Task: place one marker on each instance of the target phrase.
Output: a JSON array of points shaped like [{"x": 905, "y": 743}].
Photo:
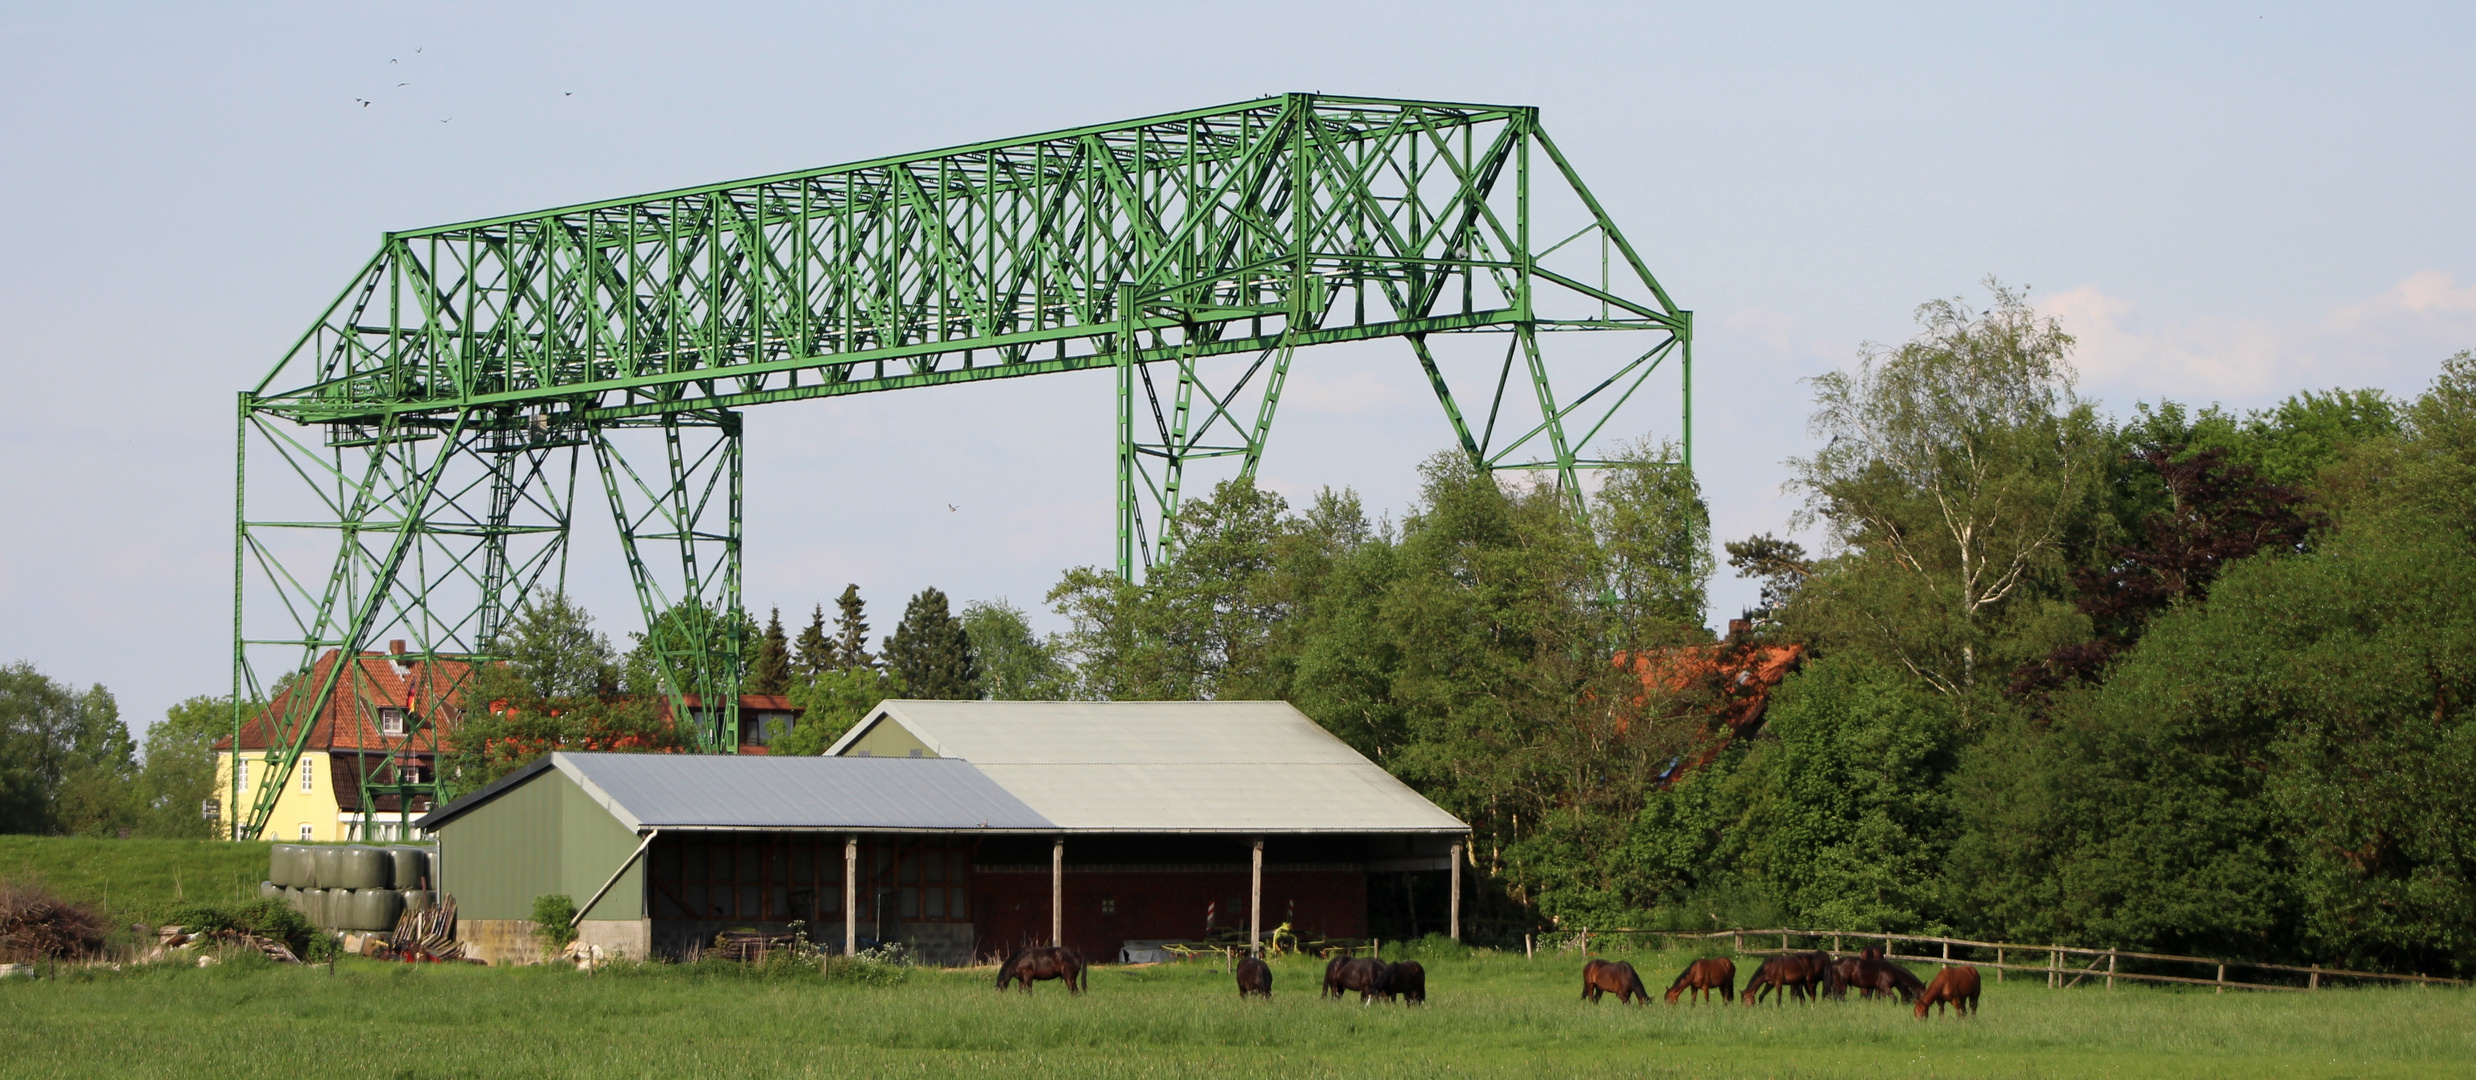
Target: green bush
[
  {"x": 272, "y": 919},
  {"x": 553, "y": 916}
]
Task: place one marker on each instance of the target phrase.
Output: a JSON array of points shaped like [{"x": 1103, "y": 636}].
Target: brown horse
[
  {"x": 1956, "y": 985},
  {"x": 1254, "y": 977},
  {"x": 1613, "y": 977},
  {"x": 1800, "y": 974},
  {"x": 1033, "y": 965},
  {"x": 1871, "y": 975},
  {"x": 1366, "y": 974},
  {"x": 1703, "y": 976},
  {"x": 1407, "y": 980}
]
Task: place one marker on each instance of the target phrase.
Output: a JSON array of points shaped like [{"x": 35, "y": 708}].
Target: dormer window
[{"x": 391, "y": 721}]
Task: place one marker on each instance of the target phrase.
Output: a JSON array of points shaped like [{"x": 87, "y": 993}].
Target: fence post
[
  {"x": 1947, "y": 952},
  {"x": 1998, "y": 965},
  {"x": 2222, "y": 980},
  {"x": 1737, "y": 942},
  {"x": 2316, "y": 983},
  {"x": 1527, "y": 954},
  {"x": 1783, "y": 943},
  {"x": 2110, "y": 969},
  {"x": 1835, "y": 943},
  {"x": 2054, "y": 966}
]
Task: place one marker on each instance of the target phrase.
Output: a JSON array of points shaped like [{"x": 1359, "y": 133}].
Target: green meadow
[{"x": 1490, "y": 1014}]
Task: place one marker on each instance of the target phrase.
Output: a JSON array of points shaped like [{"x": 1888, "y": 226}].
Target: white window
[
  {"x": 243, "y": 763},
  {"x": 308, "y": 832},
  {"x": 306, "y": 774},
  {"x": 391, "y": 721}
]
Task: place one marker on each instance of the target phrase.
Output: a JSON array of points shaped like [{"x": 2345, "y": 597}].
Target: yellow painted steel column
[
  {"x": 1457, "y": 890},
  {"x": 1057, "y": 893},
  {"x": 1255, "y": 901},
  {"x": 851, "y": 895}
]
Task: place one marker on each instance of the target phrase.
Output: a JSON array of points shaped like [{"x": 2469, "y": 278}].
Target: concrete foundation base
[{"x": 503, "y": 942}]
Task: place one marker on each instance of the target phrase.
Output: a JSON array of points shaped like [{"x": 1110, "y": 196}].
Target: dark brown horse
[
  {"x": 1254, "y": 977},
  {"x": 1703, "y": 976},
  {"x": 1798, "y": 974},
  {"x": 1613, "y": 977},
  {"x": 1407, "y": 980},
  {"x": 1956, "y": 985},
  {"x": 1033, "y": 965},
  {"x": 1872, "y": 975},
  {"x": 1365, "y": 974}
]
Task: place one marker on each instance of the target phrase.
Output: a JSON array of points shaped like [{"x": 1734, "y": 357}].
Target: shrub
[
  {"x": 272, "y": 919},
  {"x": 35, "y": 925},
  {"x": 553, "y": 914}
]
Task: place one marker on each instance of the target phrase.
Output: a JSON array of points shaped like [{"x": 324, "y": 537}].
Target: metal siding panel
[
  {"x": 506, "y": 852},
  {"x": 593, "y": 843},
  {"x": 1357, "y": 798}
]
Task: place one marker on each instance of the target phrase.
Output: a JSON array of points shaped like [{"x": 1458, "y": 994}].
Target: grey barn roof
[
  {"x": 1166, "y": 766},
  {"x": 718, "y": 791}
]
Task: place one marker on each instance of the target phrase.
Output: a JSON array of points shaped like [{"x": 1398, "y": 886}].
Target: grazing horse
[
  {"x": 1033, "y": 965},
  {"x": 1254, "y": 977},
  {"x": 1366, "y": 974},
  {"x": 1613, "y": 977},
  {"x": 1800, "y": 974},
  {"x": 1871, "y": 975},
  {"x": 1703, "y": 976},
  {"x": 1408, "y": 980},
  {"x": 1956, "y": 985}
]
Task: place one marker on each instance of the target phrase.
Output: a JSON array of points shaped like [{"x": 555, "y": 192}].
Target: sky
[{"x": 2223, "y": 203}]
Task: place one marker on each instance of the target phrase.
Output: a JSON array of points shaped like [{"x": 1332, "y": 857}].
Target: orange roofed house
[
  {"x": 1738, "y": 675},
  {"x": 365, "y": 731}
]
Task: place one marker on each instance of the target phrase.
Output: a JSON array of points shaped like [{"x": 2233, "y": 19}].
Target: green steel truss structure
[{"x": 439, "y": 414}]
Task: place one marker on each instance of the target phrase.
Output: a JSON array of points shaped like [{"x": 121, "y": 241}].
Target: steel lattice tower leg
[{"x": 693, "y": 627}]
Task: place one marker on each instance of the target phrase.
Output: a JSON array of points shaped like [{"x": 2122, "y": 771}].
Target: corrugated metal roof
[
  {"x": 1175, "y": 766},
  {"x": 719, "y": 791}
]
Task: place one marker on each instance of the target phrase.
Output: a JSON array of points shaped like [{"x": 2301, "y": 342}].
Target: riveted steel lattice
[{"x": 442, "y": 407}]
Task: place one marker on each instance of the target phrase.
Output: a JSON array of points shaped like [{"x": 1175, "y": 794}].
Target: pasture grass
[
  {"x": 1490, "y": 1014},
  {"x": 135, "y": 880}
]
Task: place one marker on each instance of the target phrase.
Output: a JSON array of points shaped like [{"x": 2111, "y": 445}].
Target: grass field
[
  {"x": 1491, "y": 1015},
  {"x": 131, "y": 880}
]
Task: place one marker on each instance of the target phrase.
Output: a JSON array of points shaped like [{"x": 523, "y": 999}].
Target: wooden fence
[{"x": 2063, "y": 965}]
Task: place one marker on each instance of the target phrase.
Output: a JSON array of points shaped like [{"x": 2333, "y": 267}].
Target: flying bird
[
  {"x": 403, "y": 84},
  {"x": 951, "y": 508},
  {"x": 449, "y": 118},
  {"x": 364, "y": 102},
  {"x": 570, "y": 93}
]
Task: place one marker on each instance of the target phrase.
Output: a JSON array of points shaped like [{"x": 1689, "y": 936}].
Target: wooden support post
[
  {"x": 1835, "y": 943},
  {"x": 2222, "y": 980},
  {"x": 2110, "y": 969},
  {"x": 2315, "y": 984},
  {"x": 1998, "y": 965},
  {"x": 1527, "y": 954},
  {"x": 1057, "y": 893},
  {"x": 1255, "y": 902},
  {"x": 1947, "y": 952},
  {"x": 851, "y": 895},
  {"x": 1456, "y": 925},
  {"x": 2054, "y": 966}
]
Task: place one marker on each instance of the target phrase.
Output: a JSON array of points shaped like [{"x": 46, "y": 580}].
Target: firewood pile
[{"x": 425, "y": 936}]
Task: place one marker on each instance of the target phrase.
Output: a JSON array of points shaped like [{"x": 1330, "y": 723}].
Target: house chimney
[
  {"x": 1738, "y": 628},
  {"x": 395, "y": 649}
]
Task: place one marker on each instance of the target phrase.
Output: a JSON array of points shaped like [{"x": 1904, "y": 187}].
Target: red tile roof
[
  {"x": 375, "y": 681},
  {"x": 1738, "y": 676}
]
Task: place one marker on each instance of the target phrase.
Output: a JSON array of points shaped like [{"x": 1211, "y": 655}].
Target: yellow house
[{"x": 367, "y": 732}]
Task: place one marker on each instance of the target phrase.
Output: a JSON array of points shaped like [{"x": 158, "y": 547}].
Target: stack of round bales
[{"x": 349, "y": 886}]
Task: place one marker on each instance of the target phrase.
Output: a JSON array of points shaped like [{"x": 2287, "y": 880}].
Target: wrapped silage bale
[
  {"x": 415, "y": 900},
  {"x": 360, "y": 866},
  {"x": 329, "y": 861},
  {"x": 412, "y": 866},
  {"x": 373, "y": 909},
  {"x": 292, "y": 896},
  {"x": 314, "y": 905},
  {"x": 268, "y": 890}
]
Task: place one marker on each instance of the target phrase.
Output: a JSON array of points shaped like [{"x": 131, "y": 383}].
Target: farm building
[
  {"x": 365, "y": 730},
  {"x": 963, "y": 828}
]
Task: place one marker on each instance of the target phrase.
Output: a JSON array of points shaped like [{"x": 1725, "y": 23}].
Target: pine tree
[
  {"x": 851, "y": 631},
  {"x": 931, "y": 652},
  {"x": 771, "y": 674},
  {"x": 813, "y": 653}
]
